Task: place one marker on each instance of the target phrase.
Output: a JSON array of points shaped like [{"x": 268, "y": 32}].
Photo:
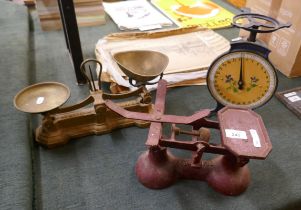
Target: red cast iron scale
[{"x": 227, "y": 173}]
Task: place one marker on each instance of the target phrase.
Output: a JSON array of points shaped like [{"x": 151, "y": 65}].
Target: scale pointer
[{"x": 240, "y": 81}]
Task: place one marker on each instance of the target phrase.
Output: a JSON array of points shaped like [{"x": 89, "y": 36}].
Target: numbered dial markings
[{"x": 242, "y": 79}]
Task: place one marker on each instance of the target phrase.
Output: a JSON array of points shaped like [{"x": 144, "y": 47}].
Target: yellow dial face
[{"x": 242, "y": 79}]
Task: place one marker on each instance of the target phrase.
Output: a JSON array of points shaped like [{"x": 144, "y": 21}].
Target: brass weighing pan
[
  {"x": 141, "y": 65},
  {"x": 41, "y": 97}
]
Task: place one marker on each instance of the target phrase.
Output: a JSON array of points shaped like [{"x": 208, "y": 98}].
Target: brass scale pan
[
  {"x": 41, "y": 97},
  {"x": 140, "y": 65}
]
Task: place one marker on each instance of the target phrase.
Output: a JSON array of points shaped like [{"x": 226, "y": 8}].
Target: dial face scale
[{"x": 242, "y": 79}]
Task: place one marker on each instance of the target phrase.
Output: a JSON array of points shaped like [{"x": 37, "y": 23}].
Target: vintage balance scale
[
  {"x": 60, "y": 124},
  {"x": 243, "y": 134}
]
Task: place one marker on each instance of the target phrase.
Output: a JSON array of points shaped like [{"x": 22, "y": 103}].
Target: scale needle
[{"x": 240, "y": 81}]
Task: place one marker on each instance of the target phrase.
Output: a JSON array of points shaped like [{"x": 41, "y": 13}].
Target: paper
[
  {"x": 190, "y": 54},
  {"x": 255, "y": 137},
  {"x": 40, "y": 100},
  {"x": 136, "y": 14},
  {"x": 235, "y": 134},
  {"x": 294, "y": 98},
  {"x": 204, "y": 13},
  {"x": 290, "y": 94}
]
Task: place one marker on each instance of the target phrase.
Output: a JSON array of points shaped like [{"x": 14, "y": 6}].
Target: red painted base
[{"x": 157, "y": 168}]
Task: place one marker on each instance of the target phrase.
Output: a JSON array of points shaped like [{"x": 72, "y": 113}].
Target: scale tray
[
  {"x": 41, "y": 97},
  {"x": 141, "y": 65}
]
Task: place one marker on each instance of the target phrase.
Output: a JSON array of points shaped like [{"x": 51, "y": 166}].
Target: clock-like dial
[{"x": 242, "y": 79}]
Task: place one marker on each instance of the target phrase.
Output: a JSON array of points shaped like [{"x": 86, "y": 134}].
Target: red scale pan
[{"x": 244, "y": 134}]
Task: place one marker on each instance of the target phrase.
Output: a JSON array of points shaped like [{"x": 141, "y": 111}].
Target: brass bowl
[
  {"x": 41, "y": 97},
  {"x": 141, "y": 65}
]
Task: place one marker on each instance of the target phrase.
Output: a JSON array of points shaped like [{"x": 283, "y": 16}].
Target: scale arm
[
  {"x": 157, "y": 117},
  {"x": 79, "y": 105},
  {"x": 122, "y": 96}
]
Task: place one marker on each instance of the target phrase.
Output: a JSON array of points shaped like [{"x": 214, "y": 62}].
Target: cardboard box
[
  {"x": 88, "y": 13},
  {"x": 285, "y": 44}
]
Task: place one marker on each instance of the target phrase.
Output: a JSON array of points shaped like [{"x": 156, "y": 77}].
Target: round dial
[{"x": 242, "y": 79}]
